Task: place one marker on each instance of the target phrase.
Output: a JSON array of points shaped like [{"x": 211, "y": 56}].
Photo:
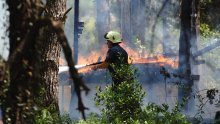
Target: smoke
[
  {"x": 101, "y": 16},
  {"x": 68, "y": 99},
  {"x": 140, "y": 31},
  {"x": 161, "y": 23}
]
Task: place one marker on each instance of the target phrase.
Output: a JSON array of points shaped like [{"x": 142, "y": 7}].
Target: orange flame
[
  {"x": 93, "y": 57},
  {"x": 85, "y": 69},
  {"x": 142, "y": 57},
  {"x": 135, "y": 57},
  {"x": 160, "y": 60}
]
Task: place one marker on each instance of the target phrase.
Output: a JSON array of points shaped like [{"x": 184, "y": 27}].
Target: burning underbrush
[{"x": 87, "y": 62}]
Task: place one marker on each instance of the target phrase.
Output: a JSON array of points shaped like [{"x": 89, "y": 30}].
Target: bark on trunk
[
  {"x": 25, "y": 60},
  {"x": 23, "y": 72},
  {"x": 184, "y": 52},
  {"x": 51, "y": 53},
  {"x": 193, "y": 48},
  {"x": 185, "y": 37}
]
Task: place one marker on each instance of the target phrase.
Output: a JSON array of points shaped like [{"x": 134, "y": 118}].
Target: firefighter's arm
[{"x": 100, "y": 66}]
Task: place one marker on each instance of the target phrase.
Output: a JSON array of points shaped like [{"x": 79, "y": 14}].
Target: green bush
[
  {"x": 207, "y": 33},
  {"x": 121, "y": 102},
  {"x": 48, "y": 116},
  {"x": 45, "y": 117},
  {"x": 155, "y": 114}
]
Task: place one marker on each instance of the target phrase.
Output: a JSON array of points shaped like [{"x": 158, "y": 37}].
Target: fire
[
  {"x": 85, "y": 69},
  {"x": 141, "y": 57},
  {"x": 93, "y": 56},
  {"x": 161, "y": 60},
  {"x": 135, "y": 57}
]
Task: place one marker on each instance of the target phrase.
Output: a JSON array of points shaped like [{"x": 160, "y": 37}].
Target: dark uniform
[{"x": 116, "y": 56}]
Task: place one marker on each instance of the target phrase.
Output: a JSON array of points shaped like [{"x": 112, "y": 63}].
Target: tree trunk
[
  {"x": 17, "y": 27},
  {"x": 185, "y": 37},
  {"x": 51, "y": 53},
  {"x": 19, "y": 105},
  {"x": 194, "y": 47},
  {"x": 184, "y": 51}
]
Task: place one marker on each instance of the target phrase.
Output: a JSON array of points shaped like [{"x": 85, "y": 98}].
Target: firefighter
[
  {"x": 116, "y": 56},
  {"x": 117, "y": 63}
]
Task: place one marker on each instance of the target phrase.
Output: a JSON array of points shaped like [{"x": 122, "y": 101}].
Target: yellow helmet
[{"x": 113, "y": 36}]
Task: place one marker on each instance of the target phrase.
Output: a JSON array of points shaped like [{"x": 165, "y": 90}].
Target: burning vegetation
[{"x": 86, "y": 63}]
